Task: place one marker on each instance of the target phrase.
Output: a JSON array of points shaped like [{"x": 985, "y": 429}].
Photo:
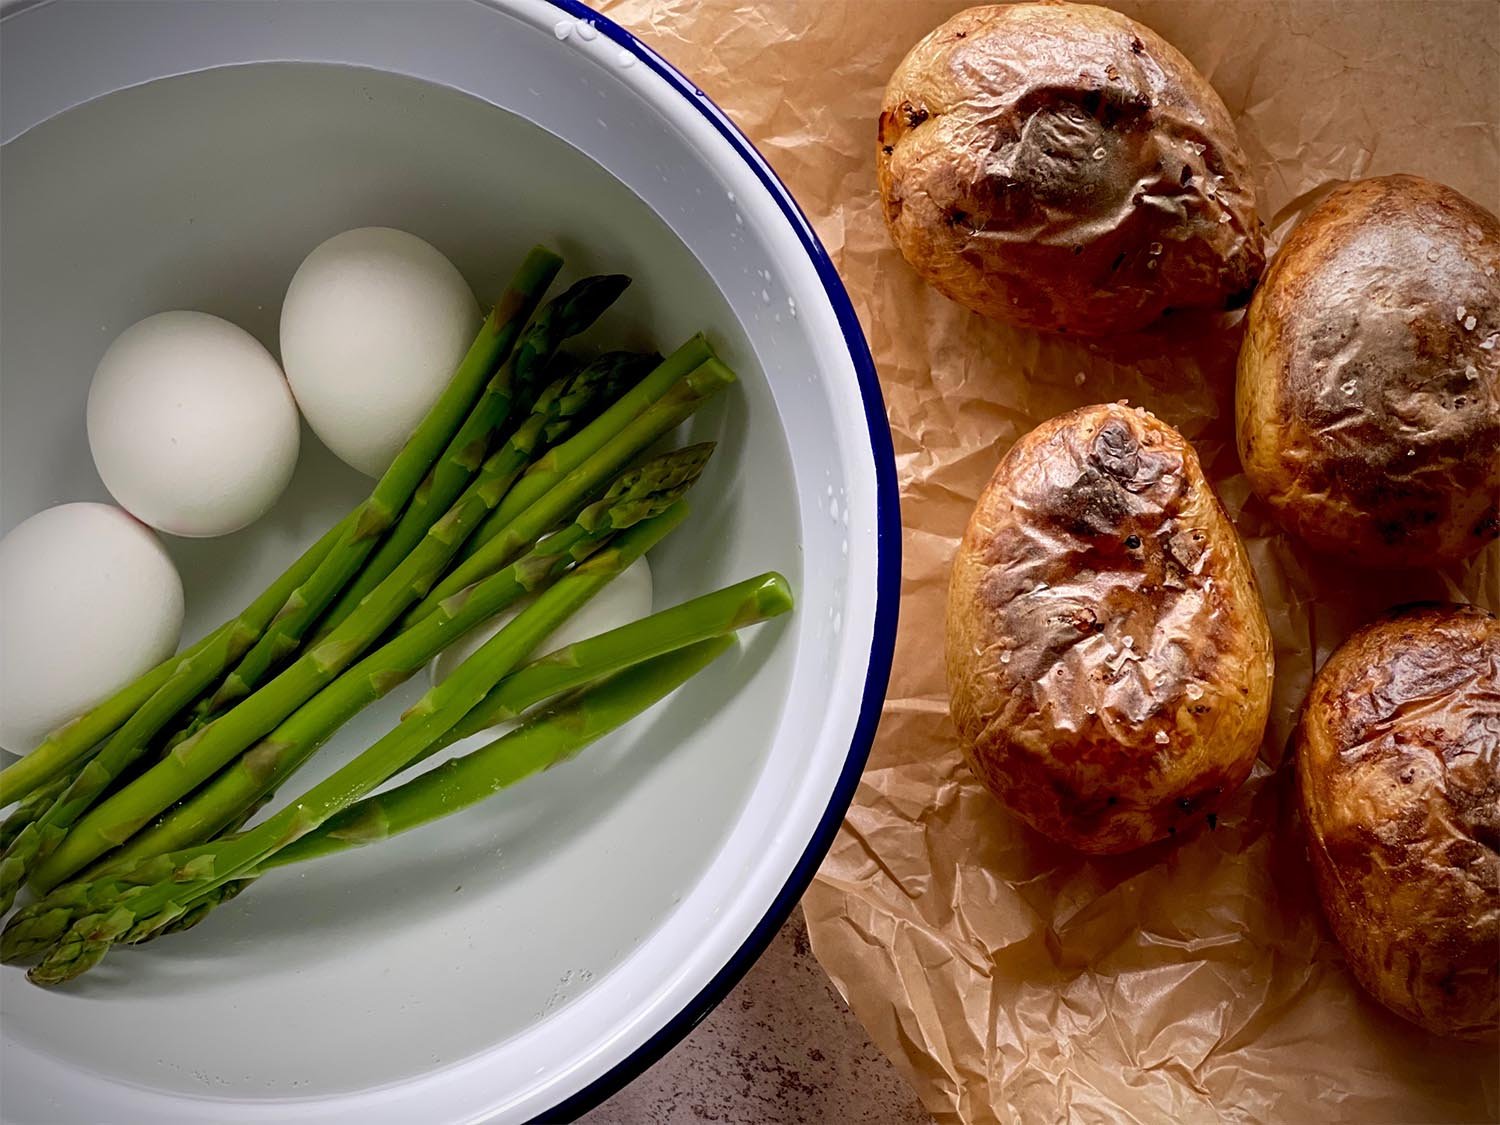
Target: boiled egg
[
  {"x": 374, "y": 323},
  {"x": 191, "y": 424},
  {"x": 89, "y": 600}
]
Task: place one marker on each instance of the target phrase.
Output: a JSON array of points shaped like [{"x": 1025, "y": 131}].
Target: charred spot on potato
[
  {"x": 1116, "y": 450},
  {"x": 1213, "y": 821},
  {"x": 887, "y": 149},
  {"x": 914, "y": 115}
]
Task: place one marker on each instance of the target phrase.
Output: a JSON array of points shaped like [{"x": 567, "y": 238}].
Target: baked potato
[
  {"x": 1109, "y": 662},
  {"x": 1368, "y": 394},
  {"x": 1398, "y": 777},
  {"x": 1063, "y": 167}
]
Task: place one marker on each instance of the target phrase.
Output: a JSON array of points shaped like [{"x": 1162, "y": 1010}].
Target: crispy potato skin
[
  {"x": 1109, "y": 661},
  {"x": 1398, "y": 775},
  {"x": 1368, "y": 406},
  {"x": 1063, "y": 167}
]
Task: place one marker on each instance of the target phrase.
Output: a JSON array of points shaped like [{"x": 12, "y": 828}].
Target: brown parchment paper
[{"x": 1007, "y": 979}]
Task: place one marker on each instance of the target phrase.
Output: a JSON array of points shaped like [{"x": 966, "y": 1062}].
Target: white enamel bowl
[{"x": 527, "y": 957}]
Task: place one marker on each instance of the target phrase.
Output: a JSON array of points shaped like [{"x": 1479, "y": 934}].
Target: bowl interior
[{"x": 203, "y": 191}]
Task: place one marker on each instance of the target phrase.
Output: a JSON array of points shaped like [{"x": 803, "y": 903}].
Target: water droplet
[
  {"x": 791, "y": 307},
  {"x": 844, "y": 548},
  {"x": 587, "y": 31},
  {"x": 765, "y": 295},
  {"x": 1079, "y": 379},
  {"x": 1005, "y": 658},
  {"x": 838, "y": 622},
  {"x": 833, "y": 508},
  {"x": 739, "y": 219},
  {"x": 1161, "y": 738},
  {"x": 729, "y": 195},
  {"x": 1469, "y": 323},
  {"x": 1128, "y": 642},
  {"x": 1432, "y": 255},
  {"x": 1194, "y": 691},
  {"x": 1471, "y": 373},
  {"x": 1488, "y": 345},
  {"x": 562, "y": 30},
  {"x": 1348, "y": 388},
  {"x": 1098, "y": 154},
  {"x": 1411, "y": 452},
  {"x": 1091, "y": 710},
  {"x": 1458, "y": 316},
  {"x": 830, "y": 490},
  {"x": 624, "y": 60},
  {"x": 1155, "y": 248}
]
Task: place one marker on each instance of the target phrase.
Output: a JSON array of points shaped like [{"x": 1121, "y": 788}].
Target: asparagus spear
[
  {"x": 31, "y": 808},
  {"x": 210, "y": 810},
  {"x": 65, "y": 748},
  {"x": 686, "y": 396},
  {"x": 475, "y": 401},
  {"x": 139, "y": 913},
  {"x": 566, "y": 316},
  {"x": 545, "y": 740},
  {"x": 562, "y": 459},
  {"x": 115, "y": 820},
  {"x": 542, "y": 741},
  {"x": 575, "y": 666},
  {"x": 186, "y": 676},
  {"x": 582, "y": 662}
]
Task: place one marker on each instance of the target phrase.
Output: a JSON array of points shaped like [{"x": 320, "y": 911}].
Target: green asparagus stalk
[
  {"x": 583, "y": 662},
  {"x": 114, "y": 821},
  {"x": 657, "y": 420},
  {"x": 565, "y": 316},
  {"x": 542, "y": 741},
  {"x": 564, "y": 458},
  {"x": 213, "y": 808},
  {"x": 468, "y": 398},
  {"x": 135, "y": 916},
  {"x": 575, "y": 666},
  {"x": 545, "y": 740},
  {"x": 189, "y": 674},
  {"x": 29, "y": 810},
  {"x": 67, "y": 747}
]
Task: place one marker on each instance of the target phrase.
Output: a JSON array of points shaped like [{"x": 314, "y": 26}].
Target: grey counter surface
[{"x": 782, "y": 1049}]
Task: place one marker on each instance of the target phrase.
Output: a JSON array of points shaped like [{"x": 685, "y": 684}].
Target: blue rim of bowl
[{"x": 887, "y": 593}]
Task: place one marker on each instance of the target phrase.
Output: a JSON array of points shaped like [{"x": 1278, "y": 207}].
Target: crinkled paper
[{"x": 1009, "y": 980}]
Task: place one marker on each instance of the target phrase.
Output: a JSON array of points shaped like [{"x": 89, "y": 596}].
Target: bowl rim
[
  {"x": 887, "y": 539},
  {"x": 887, "y": 588}
]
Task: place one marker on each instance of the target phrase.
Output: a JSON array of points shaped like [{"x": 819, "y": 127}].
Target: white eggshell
[
  {"x": 374, "y": 323},
  {"x": 191, "y": 424},
  {"x": 89, "y": 600},
  {"x": 626, "y": 599}
]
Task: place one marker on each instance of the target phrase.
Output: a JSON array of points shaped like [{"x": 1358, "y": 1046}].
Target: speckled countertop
[{"x": 782, "y": 1049}]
